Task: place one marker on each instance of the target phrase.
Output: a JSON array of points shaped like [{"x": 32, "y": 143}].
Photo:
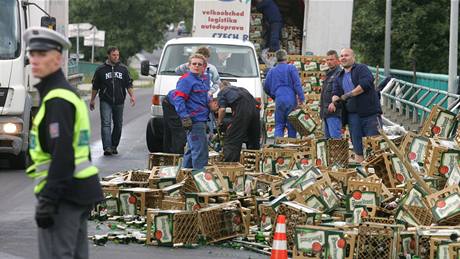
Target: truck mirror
[
  {"x": 145, "y": 68},
  {"x": 48, "y": 22}
]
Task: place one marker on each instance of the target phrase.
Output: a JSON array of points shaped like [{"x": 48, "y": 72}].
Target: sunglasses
[{"x": 197, "y": 64}]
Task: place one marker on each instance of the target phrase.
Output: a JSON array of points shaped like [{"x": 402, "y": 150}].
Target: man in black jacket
[
  {"x": 245, "y": 123},
  {"x": 331, "y": 119},
  {"x": 111, "y": 80},
  {"x": 66, "y": 183}
]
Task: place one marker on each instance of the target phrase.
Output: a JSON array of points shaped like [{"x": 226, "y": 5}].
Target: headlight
[{"x": 10, "y": 128}]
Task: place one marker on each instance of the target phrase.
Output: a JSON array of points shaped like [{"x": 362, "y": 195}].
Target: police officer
[
  {"x": 283, "y": 85},
  {"x": 67, "y": 185},
  {"x": 245, "y": 122}
]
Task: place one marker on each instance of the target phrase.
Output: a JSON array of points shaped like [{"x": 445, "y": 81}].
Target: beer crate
[
  {"x": 363, "y": 184},
  {"x": 296, "y": 214},
  {"x": 164, "y": 159},
  {"x": 377, "y": 240},
  {"x": 269, "y": 115},
  {"x": 341, "y": 176},
  {"x": 420, "y": 215},
  {"x": 172, "y": 227},
  {"x": 250, "y": 202},
  {"x": 172, "y": 203},
  {"x": 163, "y": 176},
  {"x": 135, "y": 201},
  {"x": 323, "y": 242},
  {"x": 338, "y": 153},
  {"x": 424, "y": 234},
  {"x": 270, "y": 130},
  {"x": 195, "y": 201},
  {"x": 137, "y": 178},
  {"x": 441, "y": 157},
  {"x": 378, "y": 164},
  {"x": 250, "y": 159},
  {"x": 230, "y": 169},
  {"x": 396, "y": 170},
  {"x": 275, "y": 160},
  {"x": 417, "y": 149},
  {"x": 305, "y": 122},
  {"x": 440, "y": 123},
  {"x": 110, "y": 191},
  {"x": 268, "y": 184},
  {"x": 222, "y": 222},
  {"x": 439, "y": 247},
  {"x": 444, "y": 205},
  {"x": 208, "y": 180},
  {"x": 374, "y": 144},
  {"x": 267, "y": 216},
  {"x": 454, "y": 250}
]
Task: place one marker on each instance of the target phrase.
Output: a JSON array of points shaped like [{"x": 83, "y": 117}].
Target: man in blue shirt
[
  {"x": 355, "y": 87},
  {"x": 274, "y": 20},
  {"x": 191, "y": 102},
  {"x": 332, "y": 120},
  {"x": 283, "y": 85}
]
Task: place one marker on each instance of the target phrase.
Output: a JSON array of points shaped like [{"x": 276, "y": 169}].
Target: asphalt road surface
[{"x": 18, "y": 232}]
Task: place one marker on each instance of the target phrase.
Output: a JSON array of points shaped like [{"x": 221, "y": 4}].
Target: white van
[{"x": 235, "y": 60}]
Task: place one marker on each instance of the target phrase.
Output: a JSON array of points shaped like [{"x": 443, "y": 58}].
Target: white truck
[
  {"x": 324, "y": 25},
  {"x": 18, "y": 98}
]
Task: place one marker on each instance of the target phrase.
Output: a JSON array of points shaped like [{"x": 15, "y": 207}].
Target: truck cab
[
  {"x": 18, "y": 98},
  {"x": 235, "y": 60}
]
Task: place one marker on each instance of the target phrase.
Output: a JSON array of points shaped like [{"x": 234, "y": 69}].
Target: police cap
[{"x": 44, "y": 39}]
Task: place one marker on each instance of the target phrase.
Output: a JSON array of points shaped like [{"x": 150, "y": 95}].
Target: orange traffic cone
[{"x": 279, "y": 248}]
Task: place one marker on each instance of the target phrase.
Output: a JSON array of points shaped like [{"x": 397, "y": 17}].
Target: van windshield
[
  {"x": 9, "y": 29},
  {"x": 230, "y": 60}
]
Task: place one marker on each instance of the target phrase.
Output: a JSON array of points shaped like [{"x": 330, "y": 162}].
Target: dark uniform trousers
[
  {"x": 68, "y": 234},
  {"x": 245, "y": 124},
  {"x": 174, "y": 136}
]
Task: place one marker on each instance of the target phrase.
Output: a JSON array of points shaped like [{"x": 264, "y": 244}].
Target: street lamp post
[{"x": 453, "y": 48}]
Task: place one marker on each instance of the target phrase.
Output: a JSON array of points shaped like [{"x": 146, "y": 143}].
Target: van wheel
[
  {"x": 154, "y": 142},
  {"x": 20, "y": 161}
]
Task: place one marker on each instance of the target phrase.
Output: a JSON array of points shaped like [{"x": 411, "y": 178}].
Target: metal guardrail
[{"x": 414, "y": 101}]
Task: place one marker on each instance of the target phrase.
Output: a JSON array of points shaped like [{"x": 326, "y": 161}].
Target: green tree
[
  {"x": 420, "y": 33},
  {"x": 131, "y": 25}
]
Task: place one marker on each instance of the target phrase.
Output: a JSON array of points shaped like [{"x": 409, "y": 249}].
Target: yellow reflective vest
[{"x": 42, "y": 160}]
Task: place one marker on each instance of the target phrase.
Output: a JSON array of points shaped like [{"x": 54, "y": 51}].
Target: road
[{"x": 18, "y": 234}]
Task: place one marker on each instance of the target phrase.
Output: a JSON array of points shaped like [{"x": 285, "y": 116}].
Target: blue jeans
[
  {"x": 109, "y": 112},
  {"x": 196, "y": 156},
  {"x": 332, "y": 127},
  {"x": 282, "y": 111},
  {"x": 362, "y": 127}
]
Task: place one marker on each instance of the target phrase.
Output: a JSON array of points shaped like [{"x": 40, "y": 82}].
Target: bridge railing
[{"x": 414, "y": 102}]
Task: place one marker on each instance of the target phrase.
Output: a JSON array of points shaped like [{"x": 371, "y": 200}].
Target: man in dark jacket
[
  {"x": 331, "y": 119},
  {"x": 66, "y": 183},
  {"x": 274, "y": 21},
  {"x": 111, "y": 80},
  {"x": 174, "y": 135},
  {"x": 355, "y": 87},
  {"x": 245, "y": 122}
]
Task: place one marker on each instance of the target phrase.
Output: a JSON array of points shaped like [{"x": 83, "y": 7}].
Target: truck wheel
[
  {"x": 154, "y": 142},
  {"x": 20, "y": 161}
]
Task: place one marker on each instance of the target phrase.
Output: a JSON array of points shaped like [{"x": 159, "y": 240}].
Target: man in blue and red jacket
[
  {"x": 191, "y": 102},
  {"x": 355, "y": 87}
]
